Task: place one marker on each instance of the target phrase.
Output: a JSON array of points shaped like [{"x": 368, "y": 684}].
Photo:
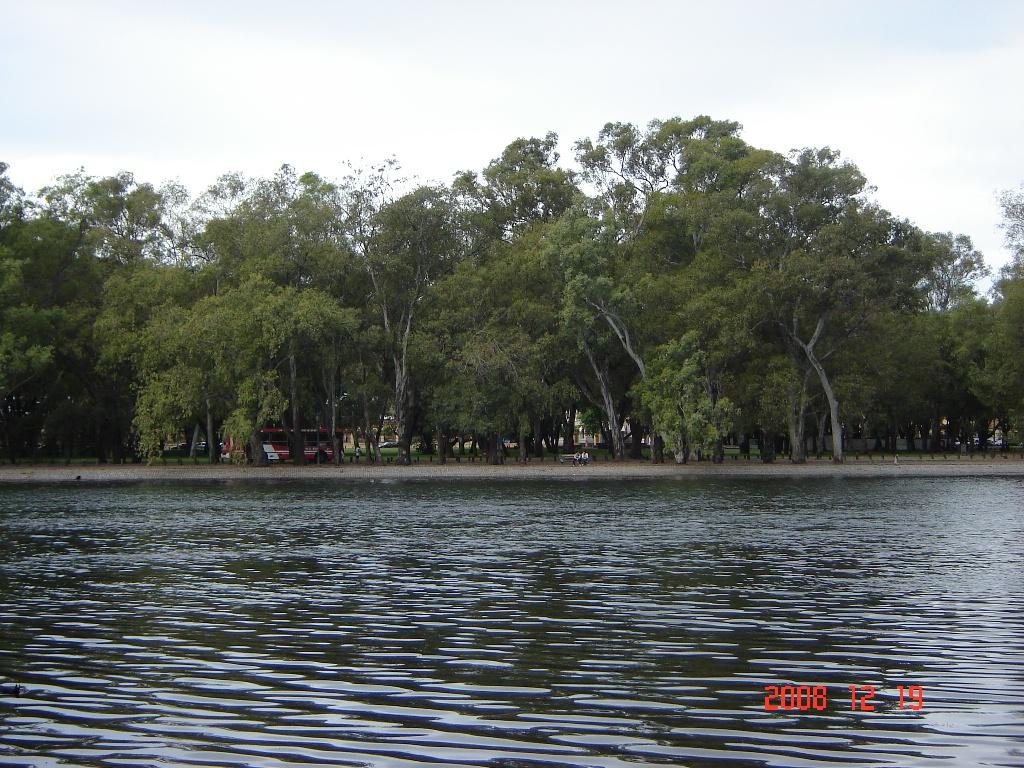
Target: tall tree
[
  {"x": 404, "y": 245},
  {"x": 829, "y": 261},
  {"x": 288, "y": 229},
  {"x": 23, "y": 354}
]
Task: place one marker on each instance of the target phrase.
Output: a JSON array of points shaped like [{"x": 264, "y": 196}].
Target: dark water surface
[{"x": 511, "y": 624}]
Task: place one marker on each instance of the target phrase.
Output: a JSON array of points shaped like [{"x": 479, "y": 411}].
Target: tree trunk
[
  {"x": 211, "y": 439},
  {"x": 833, "y": 411},
  {"x": 718, "y": 452},
  {"x": 259, "y": 458},
  {"x": 337, "y": 442},
  {"x": 797, "y": 420},
  {"x": 337, "y": 446},
  {"x": 495, "y": 449},
  {"x": 538, "y": 444},
  {"x": 607, "y": 404},
  {"x": 796, "y": 416},
  {"x": 195, "y": 441},
  {"x": 116, "y": 446},
  {"x": 636, "y": 448},
  {"x": 826, "y": 385},
  {"x": 403, "y": 411},
  {"x": 569, "y": 438},
  {"x": 371, "y": 445},
  {"x": 298, "y": 441},
  {"x": 681, "y": 450},
  {"x": 657, "y": 449}
]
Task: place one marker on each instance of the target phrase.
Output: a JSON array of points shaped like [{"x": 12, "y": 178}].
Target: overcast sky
[{"x": 924, "y": 96}]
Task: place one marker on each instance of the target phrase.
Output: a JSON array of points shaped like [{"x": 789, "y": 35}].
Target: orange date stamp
[{"x": 815, "y": 697}]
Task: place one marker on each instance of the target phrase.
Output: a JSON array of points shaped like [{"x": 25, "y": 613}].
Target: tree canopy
[{"x": 677, "y": 289}]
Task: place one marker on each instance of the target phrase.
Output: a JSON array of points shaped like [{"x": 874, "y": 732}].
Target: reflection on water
[{"x": 561, "y": 624}]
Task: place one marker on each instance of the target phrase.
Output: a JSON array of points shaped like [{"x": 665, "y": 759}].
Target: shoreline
[{"x": 22, "y": 474}]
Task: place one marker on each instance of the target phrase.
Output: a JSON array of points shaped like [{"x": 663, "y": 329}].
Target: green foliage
[
  {"x": 22, "y": 356},
  {"x": 680, "y": 395},
  {"x": 955, "y": 268},
  {"x": 998, "y": 380},
  {"x": 701, "y": 289},
  {"x": 1012, "y": 202}
]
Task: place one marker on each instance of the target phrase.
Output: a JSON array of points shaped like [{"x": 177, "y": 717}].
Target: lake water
[{"x": 513, "y": 624}]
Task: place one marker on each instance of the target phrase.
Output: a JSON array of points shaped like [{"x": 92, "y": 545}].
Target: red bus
[{"x": 274, "y": 441}]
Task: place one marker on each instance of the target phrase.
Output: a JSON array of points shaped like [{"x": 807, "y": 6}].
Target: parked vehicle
[{"x": 274, "y": 443}]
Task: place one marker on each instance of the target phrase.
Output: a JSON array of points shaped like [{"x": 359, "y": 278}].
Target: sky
[{"x": 924, "y": 97}]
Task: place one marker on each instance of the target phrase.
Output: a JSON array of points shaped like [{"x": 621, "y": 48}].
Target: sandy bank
[{"x": 548, "y": 470}]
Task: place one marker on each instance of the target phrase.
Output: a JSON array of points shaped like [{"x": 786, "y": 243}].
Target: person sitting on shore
[
  {"x": 586, "y": 458},
  {"x": 577, "y": 458}
]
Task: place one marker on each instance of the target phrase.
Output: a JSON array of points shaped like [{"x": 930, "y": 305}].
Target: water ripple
[{"x": 539, "y": 624}]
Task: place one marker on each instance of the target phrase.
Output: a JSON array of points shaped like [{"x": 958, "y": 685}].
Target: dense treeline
[{"x": 682, "y": 289}]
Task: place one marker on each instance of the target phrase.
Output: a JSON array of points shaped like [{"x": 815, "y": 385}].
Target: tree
[
  {"x": 492, "y": 337},
  {"x": 684, "y": 395},
  {"x": 122, "y": 218},
  {"x": 955, "y": 268},
  {"x": 583, "y": 248},
  {"x": 226, "y": 348},
  {"x": 288, "y": 229},
  {"x": 829, "y": 262},
  {"x": 404, "y": 246},
  {"x": 671, "y": 195},
  {"x": 521, "y": 187},
  {"x": 1002, "y": 375},
  {"x": 58, "y": 280},
  {"x": 704, "y": 286},
  {"x": 22, "y": 357},
  {"x": 497, "y": 314},
  {"x": 1012, "y": 202}
]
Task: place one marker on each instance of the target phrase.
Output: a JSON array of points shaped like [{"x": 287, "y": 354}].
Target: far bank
[{"x": 977, "y": 467}]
